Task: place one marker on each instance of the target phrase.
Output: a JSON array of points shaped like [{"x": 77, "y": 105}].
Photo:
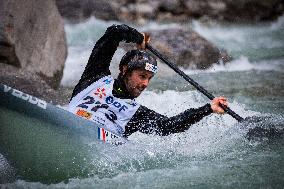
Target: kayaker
[{"x": 111, "y": 102}]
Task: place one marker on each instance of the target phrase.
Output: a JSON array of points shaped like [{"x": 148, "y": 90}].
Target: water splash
[
  {"x": 214, "y": 152},
  {"x": 201, "y": 150},
  {"x": 257, "y": 42},
  {"x": 241, "y": 64},
  {"x": 7, "y": 172}
]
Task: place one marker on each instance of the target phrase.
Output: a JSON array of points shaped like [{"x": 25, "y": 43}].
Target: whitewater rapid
[{"x": 215, "y": 152}]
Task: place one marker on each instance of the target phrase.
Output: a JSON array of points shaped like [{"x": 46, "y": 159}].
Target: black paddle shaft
[{"x": 192, "y": 82}]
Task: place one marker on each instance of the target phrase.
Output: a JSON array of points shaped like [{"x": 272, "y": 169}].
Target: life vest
[{"x": 97, "y": 103}]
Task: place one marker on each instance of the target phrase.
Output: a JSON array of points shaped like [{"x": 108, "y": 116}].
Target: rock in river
[
  {"x": 187, "y": 48},
  {"x": 32, "y": 38}
]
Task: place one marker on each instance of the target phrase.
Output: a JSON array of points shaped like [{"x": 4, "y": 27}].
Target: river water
[{"x": 214, "y": 153}]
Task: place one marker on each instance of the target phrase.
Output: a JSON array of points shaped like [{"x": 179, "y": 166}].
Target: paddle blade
[{"x": 266, "y": 127}]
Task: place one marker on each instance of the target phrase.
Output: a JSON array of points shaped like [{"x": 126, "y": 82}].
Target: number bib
[{"x": 97, "y": 103}]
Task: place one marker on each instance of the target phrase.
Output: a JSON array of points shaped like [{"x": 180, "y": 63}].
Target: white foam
[
  {"x": 243, "y": 38},
  {"x": 239, "y": 65},
  {"x": 158, "y": 26},
  {"x": 86, "y": 33},
  {"x": 171, "y": 102},
  {"x": 279, "y": 24},
  {"x": 74, "y": 66}
]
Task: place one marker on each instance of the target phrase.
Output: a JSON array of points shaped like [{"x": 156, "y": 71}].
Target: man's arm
[
  {"x": 148, "y": 121},
  {"x": 102, "y": 53}
]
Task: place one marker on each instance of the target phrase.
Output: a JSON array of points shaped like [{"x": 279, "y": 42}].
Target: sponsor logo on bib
[
  {"x": 84, "y": 113},
  {"x": 107, "y": 81},
  {"x": 100, "y": 92}
]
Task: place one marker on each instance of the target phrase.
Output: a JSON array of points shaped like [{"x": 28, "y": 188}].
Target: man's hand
[
  {"x": 145, "y": 41},
  {"x": 215, "y": 104}
]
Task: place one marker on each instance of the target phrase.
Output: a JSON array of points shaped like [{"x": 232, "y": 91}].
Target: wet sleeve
[
  {"x": 148, "y": 121},
  {"x": 103, "y": 51}
]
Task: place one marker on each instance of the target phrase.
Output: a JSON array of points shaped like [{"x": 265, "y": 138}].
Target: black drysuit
[{"x": 144, "y": 120}]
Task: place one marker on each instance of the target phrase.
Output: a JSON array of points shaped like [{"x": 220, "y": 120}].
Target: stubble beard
[{"x": 133, "y": 90}]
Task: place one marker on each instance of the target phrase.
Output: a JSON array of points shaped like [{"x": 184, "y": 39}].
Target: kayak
[{"x": 46, "y": 143}]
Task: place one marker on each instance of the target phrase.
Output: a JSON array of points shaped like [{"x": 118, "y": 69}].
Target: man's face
[{"x": 137, "y": 81}]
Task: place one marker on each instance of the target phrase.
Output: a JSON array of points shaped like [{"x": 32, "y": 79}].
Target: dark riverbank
[{"x": 141, "y": 11}]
